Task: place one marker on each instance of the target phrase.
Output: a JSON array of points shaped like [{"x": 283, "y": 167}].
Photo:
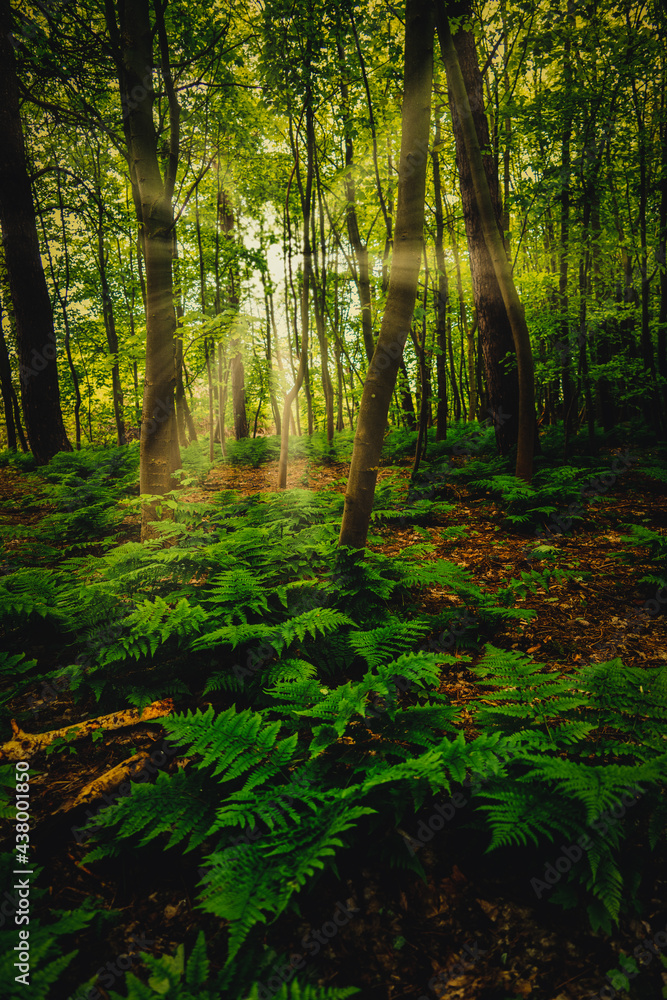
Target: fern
[
  {"x": 28, "y": 592},
  {"x": 174, "y": 804},
  {"x": 236, "y": 592},
  {"x": 49, "y": 956},
  {"x": 376, "y": 645},
  {"x": 244, "y": 890},
  {"x": 526, "y": 697},
  {"x": 176, "y": 978},
  {"x": 553, "y": 794},
  {"x": 150, "y": 625},
  {"x": 657, "y": 546}
]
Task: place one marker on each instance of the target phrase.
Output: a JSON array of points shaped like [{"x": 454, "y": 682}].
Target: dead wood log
[
  {"x": 95, "y": 789},
  {"x": 25, "y": 745}
]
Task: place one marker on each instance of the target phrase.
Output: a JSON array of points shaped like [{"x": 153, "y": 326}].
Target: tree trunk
[
  {"x": 110, "y": 328},
  {"x": 405, "y": 265},
  {"x": 33, "y": 317},
  {"x": 662, "y": 258},
  {"x": 407, "y": 404},
  {"x": 223, "y": 377},
  {"x": 63, "y": 300},
  {"x": 569, "y": 394},
  {"x": 211, "y": 418},
  {"x": 442, "y": 299},
  {"x": 270, "y": 328},
  {"x": 496, "y": 250},
  {"x": 6, "y": 386},
  {"x": 495, "y": 330},
  {"x": 306, "y": 205},
  {"x": 236, "y": 368},
  {"x": 179, "y": 389},
  {"x": 424, "y": 382},
  {"x": 320, "y": 303},
  {"x": 132, "y": 40},
  {"x": 361, "y": 252},
  {"x": 452, "y": 370},
  {"x": 472, "y": 372}
]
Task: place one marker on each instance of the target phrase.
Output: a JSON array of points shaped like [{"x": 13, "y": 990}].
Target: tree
[
  {"x": 404, "y": 275},
  {"x": 495, "y": 332},
  {"x": 33, "y": 315},
  {"x": 495, "y": 246},
  {"x": 132, "y": 40}
]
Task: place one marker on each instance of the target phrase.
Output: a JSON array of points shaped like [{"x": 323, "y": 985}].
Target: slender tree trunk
[
  {"x": 110, "y": 327},
  {"x": 320, "y": 304},
  {"x": 63, "y": 302},
  {"x": 442, "y": 297},
  {"x": 424, "y": 381},
  {"x": 133, "y": 44},
  {"x": 237, "y": 371},
  {"x": 6, "y": 386},
  {"x": 33, "y": 317},
  {"x": 569, "y": 392},
  {"x": 361, "y": 252},
  {"x": 306, "y": 192},
  {"x": 270, "y": 327},
  {"x": 507, "y": 128},
  {"x": 495, "y": 329},
  {"x": 496, "y": 250},
  {"x": 452, "y": 370},
  {"x": 405, "y": 265},
  {"x": 211, "y": 412},
  {"x": 340, "y": 422},
  {"x": 407, "y": 404},
  {"x": 662, "y": 258},
  {"x": 472, "y": 373}
]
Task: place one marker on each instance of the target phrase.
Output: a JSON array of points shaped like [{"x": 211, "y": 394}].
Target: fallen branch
[
  {"x": 129, "y": 768},
  {"x": 26, "y": 745}
]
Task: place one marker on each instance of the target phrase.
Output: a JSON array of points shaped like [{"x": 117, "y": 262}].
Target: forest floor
[{"x": 471, "y": 923}]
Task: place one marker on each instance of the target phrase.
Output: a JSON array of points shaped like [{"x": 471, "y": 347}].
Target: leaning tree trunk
[
  {"x": 406, "y": 260},
  {"x": 495, "y": 331},
  {"x": 33, "y": 316},
  {"x": 495, "y": 248}
]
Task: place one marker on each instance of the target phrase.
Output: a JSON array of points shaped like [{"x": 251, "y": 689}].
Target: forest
[{"x": 333, "y": 375}]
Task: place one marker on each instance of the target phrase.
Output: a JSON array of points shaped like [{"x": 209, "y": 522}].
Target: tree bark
[
  {"x": 495, "y": 246},
  {"x": 404, "y": 275},
  {"x": 271, "y": 329},
  {"x": 569, "y": 394},
  {"x": 110, "y": 328},
  {"x": 442, "y": 299},
  {"x": 236, "y": 368},
  {"x": 6, "y": 386},
  {"x": 495, "y": 331},
  {"x": 360, "y": 250},
  {"x": 306, "y": 204},
  {"x": 132, "y": 40},
  {"x": 33, "y": 316}
]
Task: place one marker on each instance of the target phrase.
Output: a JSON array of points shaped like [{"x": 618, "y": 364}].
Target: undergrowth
[{"x": 320, "y": 731}]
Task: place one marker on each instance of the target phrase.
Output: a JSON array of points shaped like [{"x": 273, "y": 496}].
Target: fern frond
[
  {"x": 249, "y": 882},
  {"x": 376, "y": 645},
  {"x": 233, "y": 742},
  {"x": 174, "y": 804}
]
